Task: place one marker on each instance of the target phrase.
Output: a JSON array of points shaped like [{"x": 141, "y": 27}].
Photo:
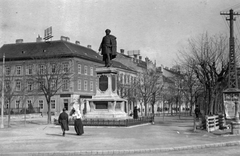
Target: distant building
[
  {"x": 173, "y": 78},
  {"x": 133, "y": 60}
]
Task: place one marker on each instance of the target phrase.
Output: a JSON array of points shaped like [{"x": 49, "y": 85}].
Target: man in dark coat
[
  {"x": 135, "y": 113},
  {"x": 108, "y": 48},
  {"x": 197, "y": 111},
  {"x": 63, "y": 121}
]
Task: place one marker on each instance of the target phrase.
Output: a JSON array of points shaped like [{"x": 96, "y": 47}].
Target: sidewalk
[{"x": 37, "y": 138}]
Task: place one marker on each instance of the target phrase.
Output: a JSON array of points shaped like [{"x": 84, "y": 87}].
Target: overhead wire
[
  {"x": 225, "y": 21},
  {"x": 234, "y": 7}
]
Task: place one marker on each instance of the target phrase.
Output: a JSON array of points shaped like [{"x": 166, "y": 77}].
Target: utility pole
[
  {"x": 232, "y": 91},
  {"x": 3, "y": 66},
  {"x": 232, "y": 79}
]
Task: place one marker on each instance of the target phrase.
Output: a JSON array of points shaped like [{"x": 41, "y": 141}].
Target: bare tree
[
  {"x": 207, "y": 58},
  {"x": 168, "y": 94},
  {"x": 191, "y": 84},
  {"x": 52, "y": 75},
  {"x": 14, "y": 87},
  {"x": 148, "y": 86}
]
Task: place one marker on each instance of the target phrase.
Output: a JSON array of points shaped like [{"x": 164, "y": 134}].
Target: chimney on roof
[
  {"x": 140, "y": 57},
  {"x": 39, "y": 39},
  {"x": 146, "y": 59},
  {"x": 19, "y": 41},
  {"x": 64, "y": 38},
  {"x": 77, "y": 42},
  {"x": 89, "y": 46},
  {"x": 122, "y": 51}
]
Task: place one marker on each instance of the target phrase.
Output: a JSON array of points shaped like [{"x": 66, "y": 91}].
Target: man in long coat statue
[{"x": 108, "y": 48}]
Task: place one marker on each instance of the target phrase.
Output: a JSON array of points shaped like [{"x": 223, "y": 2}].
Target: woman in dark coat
[
  {"x": 63, "y": 121},
  {"x": 78, "y": 126}
]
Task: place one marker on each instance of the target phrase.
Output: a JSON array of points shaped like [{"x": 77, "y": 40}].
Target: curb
[{"x": 134, "y": 151}]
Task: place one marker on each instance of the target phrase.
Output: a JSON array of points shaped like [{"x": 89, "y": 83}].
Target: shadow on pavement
[{"x": 60, "y": 135}]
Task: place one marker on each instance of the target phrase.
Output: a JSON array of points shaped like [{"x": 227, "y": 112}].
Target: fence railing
[
  {"x": 158, "y": 114},
  {"x": 113, "y": 122}
]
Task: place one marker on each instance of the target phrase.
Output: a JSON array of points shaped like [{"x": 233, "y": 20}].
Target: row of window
[
  {"x": 30, "y": 85},
  {"x": 126, "y": 79},
  {"x": 65, "y": 86},
  {"x": 29, "y": 102},
  {"x": 123, "y": 92},
  {"x": 42, "y": 69},
  {"x": 53, "y": 68},
  {"x": 85, "y": 70},
  {"x": 85, "y": 87}
]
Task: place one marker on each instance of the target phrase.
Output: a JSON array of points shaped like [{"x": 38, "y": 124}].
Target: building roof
[
  {"x": 59, "y": 48},
  {"x": 175, "y": 72},
  {"x": 39, "y": 49},
  {"x": 167, "y": 80},
  {"x": 138, "y": 62}
]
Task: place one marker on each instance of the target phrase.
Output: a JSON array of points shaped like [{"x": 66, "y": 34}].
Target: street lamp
[{"x": 3, "y": 66}]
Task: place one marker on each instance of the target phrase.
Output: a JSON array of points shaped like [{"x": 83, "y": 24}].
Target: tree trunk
[
  {"x": 49, "y": 113},
  {"x": 205, "y": 103},
  {"x": 25, "y": 111},
  {"x": 9, "y": 115},
  {"x": 146, "y": 109},
  {"x": 191, "y": 105},
  {"x": 194, "y": 122},
  {"x": 163, "y": 109},
  {"x": 179, "y": 111},
  {"x": 153, "y": 109}
]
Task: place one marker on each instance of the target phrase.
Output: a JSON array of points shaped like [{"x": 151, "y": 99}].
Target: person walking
[
  {"x": 78, "y": 125},
  {"x": 63, "y": 121},
  {"x": 197, "y": 111},
  {"x": 135, "y": 113}
]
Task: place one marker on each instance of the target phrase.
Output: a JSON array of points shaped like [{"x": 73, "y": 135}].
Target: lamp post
[{"x": 3, "y": 66}]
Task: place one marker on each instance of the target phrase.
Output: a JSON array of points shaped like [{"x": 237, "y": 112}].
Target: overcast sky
[{"x": 158, "y": 28}]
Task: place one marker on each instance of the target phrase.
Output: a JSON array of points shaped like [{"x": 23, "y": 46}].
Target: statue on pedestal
[{"x": 108, "y": 48}]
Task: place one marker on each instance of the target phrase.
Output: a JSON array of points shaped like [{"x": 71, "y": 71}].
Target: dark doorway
[{"x": 65, "y": 103}]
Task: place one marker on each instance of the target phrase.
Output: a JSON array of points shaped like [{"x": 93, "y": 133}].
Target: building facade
[{"x": 133, "y": 60}]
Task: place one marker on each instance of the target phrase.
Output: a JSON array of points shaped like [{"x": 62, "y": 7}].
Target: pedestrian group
[{"x": 63, "y": 120}]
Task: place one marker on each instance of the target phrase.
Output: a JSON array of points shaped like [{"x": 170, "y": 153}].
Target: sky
[{"x": 158, "y": 28}]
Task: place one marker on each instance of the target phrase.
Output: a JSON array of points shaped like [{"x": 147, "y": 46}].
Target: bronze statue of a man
[{"x": 108, "y": 48}]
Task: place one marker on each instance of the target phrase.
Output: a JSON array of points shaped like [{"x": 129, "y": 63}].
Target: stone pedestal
[
  {"x": 235, "y": 128},
  {"x": 106, "y": 104}
]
